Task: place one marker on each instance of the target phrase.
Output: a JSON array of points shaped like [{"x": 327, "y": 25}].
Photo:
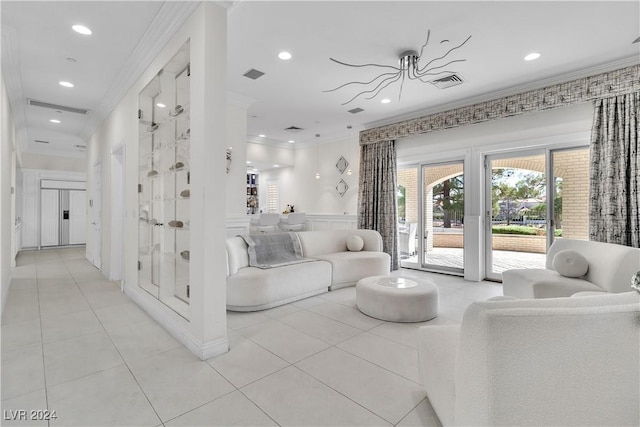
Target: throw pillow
[
  {"x": 570, "y": 264},
  {"x": 355, "y": 243}
]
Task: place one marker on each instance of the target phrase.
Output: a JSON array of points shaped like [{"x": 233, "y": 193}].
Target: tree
[{"x": 449, "y": 195}]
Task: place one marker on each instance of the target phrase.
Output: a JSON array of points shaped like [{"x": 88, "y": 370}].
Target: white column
[{"x": 208, "y": 194}]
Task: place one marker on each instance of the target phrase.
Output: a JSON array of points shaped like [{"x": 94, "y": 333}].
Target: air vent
[
  {"x": 58, "y": 107},
  {"x": 356, "y": 110},
  {"x": 253, "y": 74},
  {"x": 39, "y": 141},
  {"x": 294, "y": 129},
  {"x": 80, "y": 147},
  {"x": 447, "y": 81}
]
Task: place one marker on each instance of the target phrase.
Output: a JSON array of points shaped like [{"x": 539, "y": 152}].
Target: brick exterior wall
[{"x": 501, "y": 242}]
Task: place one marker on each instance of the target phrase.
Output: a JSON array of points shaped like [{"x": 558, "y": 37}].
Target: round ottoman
[{"x": 397, "y": 299}]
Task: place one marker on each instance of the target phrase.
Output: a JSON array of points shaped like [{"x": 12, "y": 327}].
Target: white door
[
  {"x": 77, "y": 217},
  {"x": 49, "y": 217},
  {"x": 96, "y": 221}
]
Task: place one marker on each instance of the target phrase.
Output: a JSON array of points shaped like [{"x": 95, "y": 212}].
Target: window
[{"x": 273, "y": 197}]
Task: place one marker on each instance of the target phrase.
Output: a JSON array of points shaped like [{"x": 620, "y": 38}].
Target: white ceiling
[{"x": 575, "y": 38}]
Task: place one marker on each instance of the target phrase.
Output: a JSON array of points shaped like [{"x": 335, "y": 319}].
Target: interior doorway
[
  {"x": 116, "y": 272},
  {"x": 95, "y": 203}
]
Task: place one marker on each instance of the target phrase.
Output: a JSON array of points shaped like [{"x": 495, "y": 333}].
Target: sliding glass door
[
  {"x": 533, "y": 198},
  {"x": 431, "y": 212}
]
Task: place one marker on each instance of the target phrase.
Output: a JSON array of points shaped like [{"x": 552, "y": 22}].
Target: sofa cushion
[
  {"x": 332, "y": 241},
  {"x": 349, "y": 267},
  {"x": 355, "y": 243},
  {"x": 542, "y": 283},
  {"x": 257, "y": 289},
  {"x": 570, "y": 264}
]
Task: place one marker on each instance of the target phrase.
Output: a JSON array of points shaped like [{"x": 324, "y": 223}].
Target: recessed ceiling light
[
  {"x": 291, "y": 141},
  {"x": 276, "y": 166},
  {"x": 248, "y": 162},
  {"x": 160, "y": 104},
  {"x": 81, "y": 29},
  {"x": 66, "y": 84},
  {"x": 54, "y": 121},
  {"x": 385, "y": 101},
  {"x": 532, "y": 56},
  {"x": 262, "y": 135},
  {"x": 284, "y": 55}
]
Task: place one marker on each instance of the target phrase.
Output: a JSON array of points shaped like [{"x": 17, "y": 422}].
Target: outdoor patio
[{"x": 502, "y": 260}]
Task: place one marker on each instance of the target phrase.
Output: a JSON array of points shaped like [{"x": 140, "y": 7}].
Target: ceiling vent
[
  {"x": 253, "y": 74},
  {"x": 356, "y": 110},
  {"x": 447, "y": 81},
  {"x": 35, "y": 103},
  {"x": 80, "y": 147},
  {"x": 39, "y": 141},
  {"x": 294, "y": 129}
]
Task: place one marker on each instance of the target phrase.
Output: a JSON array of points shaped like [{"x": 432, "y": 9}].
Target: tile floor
[{"x": 74, "y": 344}]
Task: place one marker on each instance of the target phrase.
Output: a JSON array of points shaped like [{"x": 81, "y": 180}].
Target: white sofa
[
  {"x": 610, "y": 270},
  {"x": 558, "y": 361},
  {"x": 334, "y": 267}
]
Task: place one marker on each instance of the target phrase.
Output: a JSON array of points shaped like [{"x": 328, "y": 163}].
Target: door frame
[
  {"x": 96, "y": 229},
  {"x": 118, "y": 203}
]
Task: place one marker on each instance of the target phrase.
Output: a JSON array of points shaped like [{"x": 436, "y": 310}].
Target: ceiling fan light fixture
[
  {"x": 81, "y": 29},
  {"x": 412, "y": 65}
]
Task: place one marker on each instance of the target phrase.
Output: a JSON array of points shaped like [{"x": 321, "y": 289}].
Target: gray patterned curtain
[
  {"x": 377, "y": 194},
  {"x": 614, "y": 215}
]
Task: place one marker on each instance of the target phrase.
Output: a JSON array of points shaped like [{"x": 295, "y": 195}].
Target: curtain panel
[
  {"x": 614, "y": 215},
  {"x": 377, "y": 194}
]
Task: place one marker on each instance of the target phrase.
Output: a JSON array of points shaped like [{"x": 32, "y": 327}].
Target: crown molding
[
  {"x": 512, "y": 90},
  {"x": 171, "y": 16}
]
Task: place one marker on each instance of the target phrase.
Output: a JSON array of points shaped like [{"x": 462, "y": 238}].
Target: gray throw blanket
[{"x": 274, "y": 250}]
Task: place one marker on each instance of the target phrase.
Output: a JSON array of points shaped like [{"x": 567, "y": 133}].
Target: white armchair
[
  {"x": 558, "y": 361},
  {"x": 294, "y": 222},
  {"x": 407, "y": 239},
  {"x": 610, "y": 268},
  {"x": 268, "y": 223}
]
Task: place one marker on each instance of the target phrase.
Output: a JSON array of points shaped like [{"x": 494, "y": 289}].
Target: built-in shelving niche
[{"x": 164, "y": 184}]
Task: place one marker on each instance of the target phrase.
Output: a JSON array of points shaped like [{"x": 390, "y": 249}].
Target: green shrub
[
  {"x": 514, "y": 229},
  {"x": 522, "y": 230}
]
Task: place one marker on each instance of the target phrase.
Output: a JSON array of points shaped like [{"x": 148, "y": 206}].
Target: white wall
[
  {"x": 7, "y": 154},
  {"x": 236, "y": 178},
  {"x": 265, "y": 156},
  {"x": 319, "y": 196},
  {"x": 58, "y": 163}
]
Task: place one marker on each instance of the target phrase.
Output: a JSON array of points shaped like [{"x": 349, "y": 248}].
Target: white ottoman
[{"x": 397, "y": 299}]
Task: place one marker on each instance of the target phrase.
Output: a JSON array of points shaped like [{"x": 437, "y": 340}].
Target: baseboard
[{"x": 176, "y": 325}]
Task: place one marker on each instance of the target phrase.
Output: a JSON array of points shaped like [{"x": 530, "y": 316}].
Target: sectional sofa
[{"x": 329, "y": 265}]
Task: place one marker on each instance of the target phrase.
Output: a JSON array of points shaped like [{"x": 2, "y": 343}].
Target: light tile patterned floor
[{"x": 74, "y": 344}]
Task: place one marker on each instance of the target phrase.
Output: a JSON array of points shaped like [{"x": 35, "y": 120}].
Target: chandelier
[{"x": 411, "y": 66}]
